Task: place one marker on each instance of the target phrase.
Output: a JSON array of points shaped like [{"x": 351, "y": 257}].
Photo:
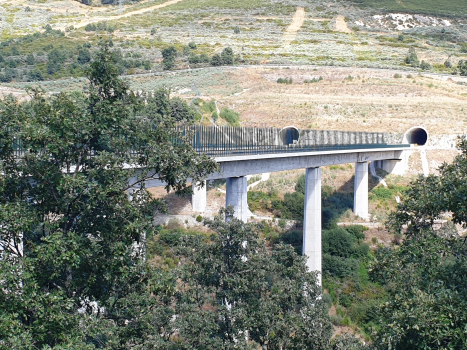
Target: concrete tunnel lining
[
  {"x": 289, "y": 134},
  {"x": 417, "y": 135}
]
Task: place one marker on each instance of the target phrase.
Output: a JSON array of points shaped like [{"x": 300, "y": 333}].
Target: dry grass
[{"x": 373, "y": 100}]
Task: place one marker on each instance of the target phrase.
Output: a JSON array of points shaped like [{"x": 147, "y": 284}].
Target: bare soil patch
[
  {"x": 297, "y": 22},
  {"x": 340, "y": 25}
]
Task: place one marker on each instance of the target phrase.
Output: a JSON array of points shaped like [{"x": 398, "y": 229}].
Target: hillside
[
  {"x": 430, "y": 7},
  {"x": 359, "y": 48}
]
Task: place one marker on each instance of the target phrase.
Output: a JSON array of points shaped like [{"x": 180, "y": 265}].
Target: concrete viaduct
[{"x": 249, "y": 151}]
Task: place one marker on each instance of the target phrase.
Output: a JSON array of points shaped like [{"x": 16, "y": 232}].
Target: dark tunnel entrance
[
  {"x": 417, "y": 136},
  {"x": 289, "y": 135}
]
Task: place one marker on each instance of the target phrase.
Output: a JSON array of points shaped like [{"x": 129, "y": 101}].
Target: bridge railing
[{"x": 227, "y": 140}]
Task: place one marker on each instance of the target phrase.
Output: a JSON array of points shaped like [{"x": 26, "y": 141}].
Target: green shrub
[
  {"x": 170, "y": 237},
  {"x": 216, "y": 60},
  {"x": 169, "y": 54},
  {"x": 285, "y": 80},
  {"x": 209, "y": 107},
  {"x": 227, "y": 56},
  {"x": 261, "y": 200},
  {"x": 314, "y": 80},
  {"x": 361, "y": 251},
  {"x": 425, "y": 65},
  {"x": 282, "y": 223},
  {"x": 338, "y": 242},
  {"x": 90, "y": 27},
  {"x": 397, "y": 76},
  {"x": 294, "y": 238},
  {"x": 214, "y": 116},
  {"x": 293, "y": 206},
  {"x": 357, "y": 231},
  {"x": 462, "y": 67},
  {"x": 381, "y": 192},
  {"x": 338, "y": 266},
  {"x": 231, "y": 117},
  {"x": 412, "y": 58},
  {"x": 199, "y": 218}
]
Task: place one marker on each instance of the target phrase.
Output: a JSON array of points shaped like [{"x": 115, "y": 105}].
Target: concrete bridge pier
[
  {"x": 360, "y": 201},
  {"x": 198, "y": 198},
  {"x": 312, "y": 220},
  {"x": 237, "y": 196}
]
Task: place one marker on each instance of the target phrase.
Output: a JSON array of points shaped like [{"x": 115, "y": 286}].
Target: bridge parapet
[{"x": 226, "y": 140}]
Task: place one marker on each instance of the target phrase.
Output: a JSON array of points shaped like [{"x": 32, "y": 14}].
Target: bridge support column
[
  {"x": 360, "y": 201},
  {"x": 237, "y": 196},
  {"x": 198, "y": 198},
  {"x": 312, "y": 220}
]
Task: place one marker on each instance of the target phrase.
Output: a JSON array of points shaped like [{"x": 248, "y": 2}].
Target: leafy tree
[
  {"x": 216, "y": 60},
  {"x": 194, "y": 59},
  {"x": 169, "y": 54},
  {"x": 84, "y": 56},
  {"x": 90, "y": 27},
  {"x": 338, "y": 242},
  {"x": 203, "y": 58},
  {"x": 412, "y": 58},
  {"x": 462, "y": 65},
  {"x": 35, "y": 75},
  {"x": 357, "y": 231},
  {"x": 71, "y": 265},
  {"x": 147, "y": 64},
  {"x": 7, "y": 75},
  {"x": 30, "y": 59},
  {"x": 425, "y": 277},
  {"x": 244, "y": 293},
  {"x": 55, "y": 60},
  {"x": 227, "y": 56}
]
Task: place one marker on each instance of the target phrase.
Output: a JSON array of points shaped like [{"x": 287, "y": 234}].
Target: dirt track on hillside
[
  {"x": 297, "y": 22},
  {"x": 95, "y": 19}
]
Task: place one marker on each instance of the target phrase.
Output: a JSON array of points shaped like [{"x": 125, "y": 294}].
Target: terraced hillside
[{"x": 336, "y": 51}]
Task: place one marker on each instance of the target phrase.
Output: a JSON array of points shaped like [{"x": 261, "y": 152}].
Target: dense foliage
[
  {"x": 70, "y": 237},
  {"x": 426, "y": 276},
  {"x": 237, "y": 294}
]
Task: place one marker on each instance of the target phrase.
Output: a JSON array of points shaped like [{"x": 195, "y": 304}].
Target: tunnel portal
[
  {"x": 417, "y": 136},
  {"x": 289, "y": 135}
]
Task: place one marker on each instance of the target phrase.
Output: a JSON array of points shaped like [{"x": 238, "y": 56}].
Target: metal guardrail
[
  {"x": 221, "y": 141},
  {"x": 218, "y": 141}
]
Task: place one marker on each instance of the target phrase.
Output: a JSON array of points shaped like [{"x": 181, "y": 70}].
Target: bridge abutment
[
  {"x": 360, "y": 202},
  {"x": 198, "y": 198},
  {"x": 237, "y": 196},
  {"x": 312, "y": 220}
]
